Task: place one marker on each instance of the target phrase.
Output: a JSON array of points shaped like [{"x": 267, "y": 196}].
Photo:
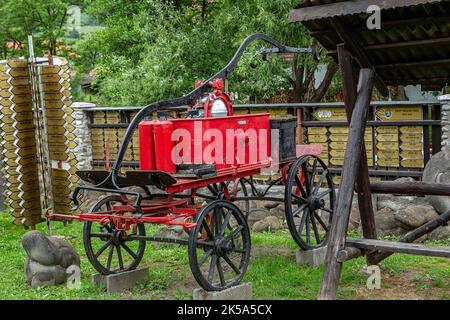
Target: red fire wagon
[{"x": 198, "y": 173}]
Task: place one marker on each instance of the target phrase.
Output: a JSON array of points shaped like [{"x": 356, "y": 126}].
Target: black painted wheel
[
  {"x": 216, "y": 191},
  {"x": 108, "y": 249},
  {"x": 219, "y": 246},
  {"x": 308, "y": 213}
]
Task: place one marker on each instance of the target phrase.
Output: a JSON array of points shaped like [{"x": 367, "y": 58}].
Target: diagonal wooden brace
[
  {"x": 330, "y": 281},
  {"x": 362, "y": 181}
]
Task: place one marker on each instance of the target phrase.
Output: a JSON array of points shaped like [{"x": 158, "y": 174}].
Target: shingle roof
[{"x": 412, "y": 47}]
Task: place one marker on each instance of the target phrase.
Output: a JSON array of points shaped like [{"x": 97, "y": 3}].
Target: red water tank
[
  {"x": 162, "y": 135},
  {"x": 146, "y": 146}
]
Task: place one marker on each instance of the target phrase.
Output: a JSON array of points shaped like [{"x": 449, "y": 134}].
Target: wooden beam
[
  {"x": 374, "y": 123},
  {"x": 408, "y": 44},
  {"x": 358, "y": 53},
  {"x": 404, "y": 44},
  {"x": 346, "y": 8},
  {"x": 362, "y": 181},
  {"x": 399, "y": 247},
  {"x": 410, "y": 188},
  {"x": 414, "y": 64},
  {"x": 389, "y": 25},
  {"x": 339, "y": 225},
  {"x": 415, "y": 234}
]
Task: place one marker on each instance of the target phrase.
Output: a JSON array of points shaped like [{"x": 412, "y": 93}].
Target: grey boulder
[{"x": 47, "y": 259}]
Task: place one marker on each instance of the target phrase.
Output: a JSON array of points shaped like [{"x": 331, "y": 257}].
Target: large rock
[
  {"x": 437, "y": 170},
  {"x": 416, "y": 216},
  {"x": 441, "y": 233},
  {"x": 47, "y": 259},
  {"x": 256, "y": 215},
  {"x": 387, "y": 224},
  {"x": 270, "y": 223}
]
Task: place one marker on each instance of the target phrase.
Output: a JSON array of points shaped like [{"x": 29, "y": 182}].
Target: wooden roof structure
[{"x": 412, "y": 47}]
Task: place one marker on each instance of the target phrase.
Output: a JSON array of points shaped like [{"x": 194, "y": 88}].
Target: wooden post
[
  {"x": 362, "y": 181},
  {"x": 330, "y": 281}
]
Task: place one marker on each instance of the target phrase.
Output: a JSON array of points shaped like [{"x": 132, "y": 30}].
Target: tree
[
  {"x": 44, "y": 19},
  {"x": 153, "y": 50}
]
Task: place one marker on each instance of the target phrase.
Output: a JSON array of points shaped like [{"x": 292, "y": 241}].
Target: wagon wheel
[
  {"x": 219, "y": 246},
  {"x": 308, "y": 215},
  {"x": 215, "y": 191},
  {"x": 107, "y": 248}
]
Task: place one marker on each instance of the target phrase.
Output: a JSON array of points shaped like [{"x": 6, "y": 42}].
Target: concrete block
[
  {"x": 241, "y": 292},
  {"x": 313, "y": 258},
  {"x": 121, "y": 281}
]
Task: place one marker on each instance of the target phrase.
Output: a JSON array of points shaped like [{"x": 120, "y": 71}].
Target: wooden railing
[{"x": 400, "y": 147}]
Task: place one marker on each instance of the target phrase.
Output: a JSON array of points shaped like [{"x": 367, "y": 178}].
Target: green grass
[{"x": 272, "y": 270}]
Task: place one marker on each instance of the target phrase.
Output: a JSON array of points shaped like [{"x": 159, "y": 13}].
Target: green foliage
[
  {"x": 44, "y": 19},
  {"x": 153, "y": 50},
  {"x": 272, "y": 271}
]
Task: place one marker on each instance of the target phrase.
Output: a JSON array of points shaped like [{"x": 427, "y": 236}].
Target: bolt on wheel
[
  {"x": 219, "y": 246},
  {"x": 309, "y": 204},
  {"x": 109, "y": 249}
]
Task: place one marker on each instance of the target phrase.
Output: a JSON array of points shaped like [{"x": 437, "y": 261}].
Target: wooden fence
[{"x": 400, "y": 139}]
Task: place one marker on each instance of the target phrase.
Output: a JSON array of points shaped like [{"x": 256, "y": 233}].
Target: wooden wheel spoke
[
  {"x": 299, "y": 209},
  {"x": 327, "y": 210},
  {"x": 307, "y": 179},
  {"x": 315, "y": 229},
  {"x": 324, "y": 193},
  {"x": 207, "y": 229},
  {"x": 221, "y": 274},
  {"x": 110, "y": 255},
  {"x": 213, "y": 190},
  {"x": 322, "y": 178},
  {"x": 225, "y": 223},
  {"x": 313, "y": 172},
  {"x": 233, "y": 233},
  {"x": 119, "y": 257},
  {"x": 212, "y": 267},
  {"x": 319, "y": 219},
  {"x": 300, "y": 187},
  {"x": 308, "y": 228},
  {"x": 299, "y": 198},
  {"x": 231, "y": 264},
  {"x": 103, "y": 248},
  {"x": 127, "y": 249},
  {"x": 302, "y": 222},
  {"x": 205, "y": 256},
  {"x": 101, "y": 235}
]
